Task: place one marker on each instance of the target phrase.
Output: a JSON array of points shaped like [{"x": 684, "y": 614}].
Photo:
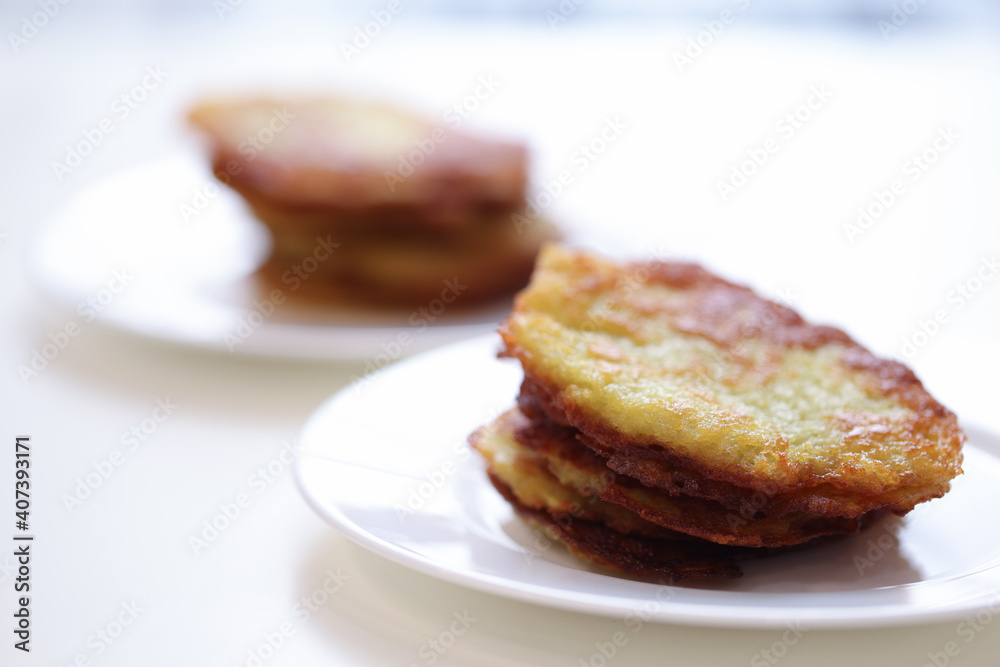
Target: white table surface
[{"x": 652, "y": 192}]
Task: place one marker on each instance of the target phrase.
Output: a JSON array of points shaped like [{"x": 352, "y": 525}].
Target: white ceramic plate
[
  {"x": 386, "y": 462},
  {"x": 185, "y": 250}
]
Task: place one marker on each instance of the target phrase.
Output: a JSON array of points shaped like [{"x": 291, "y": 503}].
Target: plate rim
[
  {"x": 816, "y": 616},
  {"x": 299, "y": 341}
]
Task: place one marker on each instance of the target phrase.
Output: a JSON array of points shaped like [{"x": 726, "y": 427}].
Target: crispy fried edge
[
  {"x": 698, "y": 517},
  {"x": 629, "y": 554},
  {"x": 880, "y": 376},
  {"x": 455, "y": 190},
  {"x": 657, "y": 466}
]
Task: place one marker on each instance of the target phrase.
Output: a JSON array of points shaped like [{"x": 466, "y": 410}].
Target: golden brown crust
[
  {"x": 630, "y": 554},
  {"x": 526, "y": 474},
  {"x": 658, "y": 467},
  {"x": 725, "y": 313},
  {"x": 442, "y": 217},
  {"x": 666, "y": 362},
  {"x": 576, "y": 466},
  {"x": 520, "y": 452},
  {"x": 358, "y": 155},
  {"x": 368, "y": 269},
  {"x": 417, "y": 208}
]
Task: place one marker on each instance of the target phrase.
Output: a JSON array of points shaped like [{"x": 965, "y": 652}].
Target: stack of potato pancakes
[
  {"x": 411, "y": 202},
  {"x": 671, "y": 423}
]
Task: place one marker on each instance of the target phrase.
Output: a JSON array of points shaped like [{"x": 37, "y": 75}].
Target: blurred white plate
[
  {"x": 386, "y": 462},
  {"x": 185, "y": 250}
]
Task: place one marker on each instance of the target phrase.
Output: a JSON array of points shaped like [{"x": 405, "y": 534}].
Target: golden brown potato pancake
[
  {"x": 421, "y": 211},
  {"x": 577, "y": 467},
  {"x": 481, "y": 264},
  {"x": 599, "y": 532},
  {"x": 694, "y": 385},
  {"x": 347, "y": 155}
]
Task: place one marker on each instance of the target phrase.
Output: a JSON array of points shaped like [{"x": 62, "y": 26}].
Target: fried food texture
[
  {"x": 346, "y": 155},
  {"x": 594, "y": 530},
  {"x": 695, "y": 385}
]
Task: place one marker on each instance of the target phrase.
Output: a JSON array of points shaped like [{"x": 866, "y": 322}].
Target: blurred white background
[{"x": 893, "y": 81}]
